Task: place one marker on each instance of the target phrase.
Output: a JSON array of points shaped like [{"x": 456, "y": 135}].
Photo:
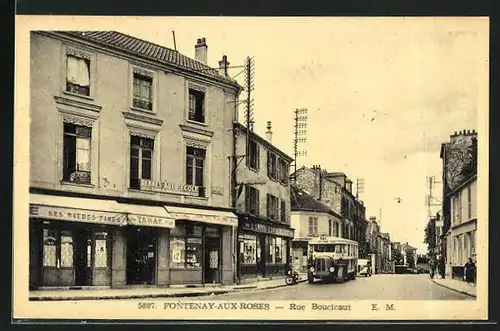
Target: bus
[{"x": 332, "y": 259}]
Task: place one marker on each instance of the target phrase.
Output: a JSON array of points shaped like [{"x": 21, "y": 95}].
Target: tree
[
  {"x": 410, "y": 257},
  {"x": 430, "y": 237},
  {"x": 397, "y": 257}
]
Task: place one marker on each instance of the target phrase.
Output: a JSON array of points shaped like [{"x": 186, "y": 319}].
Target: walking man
[{"x": 470, "y": 272}]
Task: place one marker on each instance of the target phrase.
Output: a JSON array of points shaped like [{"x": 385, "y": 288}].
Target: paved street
[{"x": 378, "y": 287}]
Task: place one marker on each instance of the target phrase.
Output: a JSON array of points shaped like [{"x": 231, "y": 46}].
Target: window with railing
[
  {"x": 141, "y": 156},
  {"x": 77, "y": 75},
  {"x": 195, "y": 163},
  {"x": 143, "y": 92},
  {"x": 76, "y": 153}
]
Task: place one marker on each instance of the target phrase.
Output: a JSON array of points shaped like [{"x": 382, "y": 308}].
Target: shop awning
[
  {"x": 148, "y": 216},
  {"x": 203, "y": 215},
  {"x": 73, "y": 209}
]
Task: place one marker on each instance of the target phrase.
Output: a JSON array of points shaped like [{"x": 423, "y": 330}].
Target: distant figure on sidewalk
[
  {"x": 470, "y": 272},
  {"x": 432, "y": 264},
  {"x": 441, "y": 267}
]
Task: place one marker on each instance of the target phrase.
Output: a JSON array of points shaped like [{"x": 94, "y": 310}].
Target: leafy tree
[
  {"x": 430, "y": 237},
  {"x": 397, "y": 257},
  {"x": 410, "y": 258}
]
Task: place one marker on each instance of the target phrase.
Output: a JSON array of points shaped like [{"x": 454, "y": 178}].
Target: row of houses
[
  {"x": 455, "y": 225},
  {"x": 140, "y": 172}
]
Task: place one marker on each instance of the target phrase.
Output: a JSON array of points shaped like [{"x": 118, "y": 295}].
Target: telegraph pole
[
  {"x": 249, "y": 86},
  {"x": 300, "y": 136},
  {"x": 430, "y": 198},
  {"x": 360, "y": 186}
]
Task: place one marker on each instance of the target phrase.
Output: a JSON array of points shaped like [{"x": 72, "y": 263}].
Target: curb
[
  {"x": 132, "y": 296},
  {"x": 453, "y": 289},
  {"x": 271, "y": 287}
]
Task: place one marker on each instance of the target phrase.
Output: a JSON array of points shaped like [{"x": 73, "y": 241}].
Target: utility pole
[
  {"x": 249, "y": 86},
  {"x": 300, "y": 136},
  {"x": 430, "y": 201}
]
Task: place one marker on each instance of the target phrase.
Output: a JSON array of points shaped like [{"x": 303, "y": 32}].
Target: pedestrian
[
  {"x": 441, "y": 266},
  {"x": 470, "y": 272},
  {"x": 432, "y": 267}
]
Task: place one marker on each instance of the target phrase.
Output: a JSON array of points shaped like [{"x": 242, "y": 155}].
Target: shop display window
[
  {"x": 186, "y": 247},
  {"x": 278, "y": 249},
  {"x": 66, "y": 249},
  {"x": 248, "y": 249},
  {"x": 101, "y": 250},
  {"x": 49, "y": 248}
]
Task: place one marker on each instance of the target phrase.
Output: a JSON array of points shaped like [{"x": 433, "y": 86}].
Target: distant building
[
  {"x": 334, "y": 189},
  {"x": 310, "y": 218}
]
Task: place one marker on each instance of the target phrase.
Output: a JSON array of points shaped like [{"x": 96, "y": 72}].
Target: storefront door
[
  {"x": 141, "y": 255},
  {"x": 82, "y": 258},
  {"x": 261, "y": 255},
  {"x": 212, "y": 260}
]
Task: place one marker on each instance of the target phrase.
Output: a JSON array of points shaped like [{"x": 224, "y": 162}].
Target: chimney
[
  {"x": 223, "y": 65},
  {"x": 269, "y": 133},
  {"x": 200, "y": 50}
]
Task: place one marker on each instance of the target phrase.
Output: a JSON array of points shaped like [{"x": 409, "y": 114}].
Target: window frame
[
  {"x": 251, "y": 193},
  {"x": 191, "y": 158},
  {"x": 186, "y": 235},
  {"x": 272, "y": 165},
  {"x": 147, "y": 73},
  {"x": 273, "y": 207},
  {"x": 137, "y": 99},
  {"x": 140, "y": 148},
  {"x": 91, "y": 59},
  {"x": 313, "y": 225},
  {"x": 197, "y": 95},
  {"x": 67, "y": 178},
  {"x": 253, "y": 159}
]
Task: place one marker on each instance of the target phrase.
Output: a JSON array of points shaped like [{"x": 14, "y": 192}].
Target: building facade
[
  {"x": 335, "y": 191},
  {"x": 262, "y": 200},
  {"x": 459, "y": 171},
  {"x": 129, "y": 143},
  {"x": 310, "y": 219},
  {"x": 462, "y": 239}
]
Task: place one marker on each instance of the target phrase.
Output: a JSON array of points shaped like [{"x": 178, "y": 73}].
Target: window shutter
[
  {"x": 247, "y": 198},
  {"x": 268, "y": 205},
  {"x": 268, "y": 163},
  {"x": 257, "y": 198},
  {"x": 257, "y": 156}
]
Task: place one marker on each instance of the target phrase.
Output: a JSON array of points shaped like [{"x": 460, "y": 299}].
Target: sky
[{"x": 382, "y": 94}]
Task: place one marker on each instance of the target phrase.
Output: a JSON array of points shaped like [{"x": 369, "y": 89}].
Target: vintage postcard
[{"x": 278, "y": 168}]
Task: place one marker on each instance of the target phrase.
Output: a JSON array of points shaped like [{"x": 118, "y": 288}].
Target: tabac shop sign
[
  {"x": 166, "y": 187},
  {"x": 262, "y": 228},
  {"x": 143, "y": 220},
  {"x": 77, "y": 215}
]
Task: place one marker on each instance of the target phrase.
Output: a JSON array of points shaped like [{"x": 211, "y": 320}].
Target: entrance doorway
[
  {"x": 82, "y": 255},
  {"x": 141, "y": 256},
  {"x": 261, "y": 255},
  {"x": 212, "y": 260}
]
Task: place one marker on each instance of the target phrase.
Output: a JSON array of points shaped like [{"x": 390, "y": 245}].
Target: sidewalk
[
  {"x": 140, "y": 293},
  {"x": 456, "y": 285}
]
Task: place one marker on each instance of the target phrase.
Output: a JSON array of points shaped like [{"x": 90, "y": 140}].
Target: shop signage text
[
  {"x": 77, "y": 215},
  {"x": 215, "y": 219},
  {"x": 151, "y": 221},
  {"x": 268, "y": 229},
  {"x": 166, "y": 187}
]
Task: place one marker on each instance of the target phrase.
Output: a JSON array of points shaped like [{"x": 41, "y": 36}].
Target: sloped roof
[
  {"x": 154, "y": 52},
  {"x": 301, "y": 201}
]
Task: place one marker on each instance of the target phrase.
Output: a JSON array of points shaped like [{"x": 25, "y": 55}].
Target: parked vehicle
[
  {"x": 292, "y": 277},
  {"x": 364, "y": 267},
  {"x": 332, "y": 259}
]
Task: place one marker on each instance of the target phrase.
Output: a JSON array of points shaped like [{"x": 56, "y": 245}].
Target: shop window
[
  {"x": 101, "y": 252},
  {"x": 248, "y": 249},
  {"x": 141, "y": 156},
  {"x": 196, "y": 106},
  {"x": 76, "y": 153},
  {"x": 284, "y": 250},
  {"x": 195, "y": 160},
  {"x": 251, "y": 200},
  {"x": 272, "y": 160},
  {"x": 186, "y": 247},
  {"x": 272, "y": 207},
  {"x": 49, "y": 248},
  {"x": 259, "y": 252},
  {"x": 271, "y": 256},
  {"x": 77, "y": 75},
  {"x": 66, "y": 249},
  {"x": 253, "y": 159},
  {"x": 143, "y": 92}
]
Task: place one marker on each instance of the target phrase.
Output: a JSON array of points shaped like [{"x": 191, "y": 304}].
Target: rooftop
[
  {"x": 301, "y": 201},
  {"x": 139, "y": 47}
]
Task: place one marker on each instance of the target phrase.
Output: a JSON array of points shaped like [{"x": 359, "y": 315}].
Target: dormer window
[
  {"x": 143, "y": 94},
  {"x": 77, "y": 75}
]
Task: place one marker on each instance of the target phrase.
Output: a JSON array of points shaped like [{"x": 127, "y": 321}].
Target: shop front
[
  {"x": 202, "y": 246},
  {"x": 300, "y": 253},
  {"x": 264, "y": 248},
  {"x": 71, "y": 241}
]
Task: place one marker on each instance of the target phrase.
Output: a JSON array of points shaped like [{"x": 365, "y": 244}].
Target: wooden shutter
[
  {"x": 247, "y": 198},
  {"x": 269, "y": 163}
]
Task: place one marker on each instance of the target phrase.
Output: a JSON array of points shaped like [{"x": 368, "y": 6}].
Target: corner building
[{"x": 129, "y": 147}]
